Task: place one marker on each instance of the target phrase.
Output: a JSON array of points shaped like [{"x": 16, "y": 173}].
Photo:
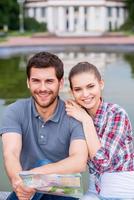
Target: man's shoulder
[
  {"x": 66, "y": 118},
  {"x": 20, "y": 103},
  {"x": 19, "y": 106}
]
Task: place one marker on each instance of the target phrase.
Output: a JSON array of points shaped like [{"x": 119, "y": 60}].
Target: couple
[{"x": 45, "y": 135}]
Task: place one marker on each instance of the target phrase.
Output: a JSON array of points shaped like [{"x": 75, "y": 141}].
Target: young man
[{"x": 37, "y": 129}]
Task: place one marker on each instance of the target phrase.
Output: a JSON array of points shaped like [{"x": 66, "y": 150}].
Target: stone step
[{"x": 4, "y": 195}]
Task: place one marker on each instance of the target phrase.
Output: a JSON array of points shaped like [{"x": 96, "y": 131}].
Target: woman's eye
[
  {"x": 77, "y": 89},
  {"x": 90, "y": 86}
]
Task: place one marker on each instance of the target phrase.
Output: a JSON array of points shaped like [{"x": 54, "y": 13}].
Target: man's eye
[
  {"x": 35, "y": 80},
  {"x": 50, "y": 81}
]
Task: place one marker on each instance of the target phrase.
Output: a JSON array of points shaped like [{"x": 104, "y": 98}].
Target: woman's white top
[{"x": 115, "y": 185}]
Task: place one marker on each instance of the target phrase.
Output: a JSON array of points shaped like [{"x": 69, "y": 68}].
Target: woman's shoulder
[{"x": 115, "y": 108}]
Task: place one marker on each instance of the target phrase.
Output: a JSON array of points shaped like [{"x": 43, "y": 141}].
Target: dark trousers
[{"x": 40, "y": 196}]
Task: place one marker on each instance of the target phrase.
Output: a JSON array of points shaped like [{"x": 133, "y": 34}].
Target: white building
[{"x": 78, "y": 17}]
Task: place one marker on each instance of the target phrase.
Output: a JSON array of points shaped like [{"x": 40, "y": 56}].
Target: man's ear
[
  {"x": 28, "y": 83},
  {"x": 61, "y": 83}
]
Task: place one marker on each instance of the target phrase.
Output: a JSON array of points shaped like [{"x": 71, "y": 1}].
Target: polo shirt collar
[
  {"x": 36, "y": 114},
  {"x": 56, "y": 115}
]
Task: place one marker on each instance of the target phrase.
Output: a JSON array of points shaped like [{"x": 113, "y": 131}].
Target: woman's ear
[{"x": 102, "y": 84}]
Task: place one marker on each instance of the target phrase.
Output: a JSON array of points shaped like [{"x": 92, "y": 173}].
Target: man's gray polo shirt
[{"x": 41, "y": 140}]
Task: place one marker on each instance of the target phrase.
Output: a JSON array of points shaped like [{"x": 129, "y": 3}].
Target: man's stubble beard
[{"x": 52, "y": 100}]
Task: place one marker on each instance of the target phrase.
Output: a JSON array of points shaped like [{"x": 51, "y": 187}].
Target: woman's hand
[{"x": 76, "y": 111}]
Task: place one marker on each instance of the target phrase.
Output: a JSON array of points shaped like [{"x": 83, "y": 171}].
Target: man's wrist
[{"x": 15, "y": 182}]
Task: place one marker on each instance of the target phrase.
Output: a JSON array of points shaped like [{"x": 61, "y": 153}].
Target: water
[{"x": 117, "y": 69}]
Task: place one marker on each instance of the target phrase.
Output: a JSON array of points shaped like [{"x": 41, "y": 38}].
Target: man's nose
[{"x": 43, "y": 86}]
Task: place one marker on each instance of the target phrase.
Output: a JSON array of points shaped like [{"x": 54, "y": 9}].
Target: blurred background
[{"x": 66, "y": 19}]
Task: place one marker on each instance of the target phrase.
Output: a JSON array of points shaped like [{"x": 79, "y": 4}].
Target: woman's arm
[
  {"x": 93, "y": 143},
  {"x": 116, "y": 138}
]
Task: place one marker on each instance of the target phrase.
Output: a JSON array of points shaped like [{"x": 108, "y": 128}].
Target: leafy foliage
[
  {"x": 129, "y": 24},
  {"x": 9, "y": 15},
  {"x": 130, "y": 59},
  {"x": 12, "y": 79},
  {"x": 30, "y": 24},
  {"x": 9, "y": 12},
  {"x": 130, "y": 6}
]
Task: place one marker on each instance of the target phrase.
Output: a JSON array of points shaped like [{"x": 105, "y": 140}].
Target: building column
[
  {"x": 114, "y": 18},
  {"x": 91, "y": 20},
  {"x": 38, "y": 14},
  {"x": 102, "y": 19},
  {"x": 50, "y": 20},
  {"x": 81, "y": 21},
  {"x": 88, "y": 18},
  {"x": 121, "y": 16},
  {"x": 71, "y": 19},
  {"x": 61, "y": 19},
  {"x": 30, "y": 12}
]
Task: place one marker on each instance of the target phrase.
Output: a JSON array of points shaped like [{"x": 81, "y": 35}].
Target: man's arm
[
  {"x": 12, "y": 144},
  {"x": 11, "y": 152},
  {"x": 76, "y": 162}
]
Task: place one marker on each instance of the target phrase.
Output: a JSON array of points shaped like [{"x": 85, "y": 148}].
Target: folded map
[{"x": 65, "y": 185}]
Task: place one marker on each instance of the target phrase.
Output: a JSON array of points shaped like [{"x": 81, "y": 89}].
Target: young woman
[{"x": 108, "y": 134}]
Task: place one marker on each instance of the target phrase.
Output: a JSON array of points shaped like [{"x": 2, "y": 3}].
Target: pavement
[
  {"x": 4, "y": 195},
  {"x": 53, "y": 40}
]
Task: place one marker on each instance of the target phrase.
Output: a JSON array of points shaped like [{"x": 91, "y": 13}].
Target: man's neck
[{"x": 46, "y": 113}]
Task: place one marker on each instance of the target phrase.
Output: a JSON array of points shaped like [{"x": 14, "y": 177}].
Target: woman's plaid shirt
[{"x": 115, "y": 133}]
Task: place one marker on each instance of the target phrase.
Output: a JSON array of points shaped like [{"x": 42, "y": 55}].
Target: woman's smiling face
[{"x": 86, "y": 89}]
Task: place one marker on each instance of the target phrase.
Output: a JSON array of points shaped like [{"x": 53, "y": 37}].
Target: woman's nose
[{"x": 85, "y": 93}]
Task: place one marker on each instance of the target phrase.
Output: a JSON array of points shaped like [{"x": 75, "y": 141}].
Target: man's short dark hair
[{"x": 46, "y": 60}]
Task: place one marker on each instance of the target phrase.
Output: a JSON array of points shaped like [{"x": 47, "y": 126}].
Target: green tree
[
  {"x": 129, "y": 24},
  {"x": 130, "y": 59},
  {"x": 130, "y": 6},
  {"x": 31, "y": 24},
  {"x": 12, "y": 79},
  {"x": 9, "y": 11}
]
